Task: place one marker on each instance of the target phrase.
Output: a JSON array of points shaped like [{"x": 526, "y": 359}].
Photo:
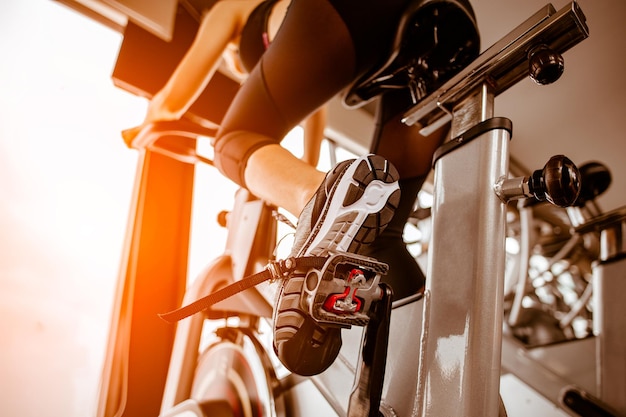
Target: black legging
[{"x": 321, "y": 48}]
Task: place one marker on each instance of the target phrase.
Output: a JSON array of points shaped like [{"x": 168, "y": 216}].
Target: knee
[{"x": 232, "y": 151}]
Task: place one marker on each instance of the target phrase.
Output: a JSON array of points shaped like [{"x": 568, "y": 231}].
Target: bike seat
[{"x": 434, "y": 41}]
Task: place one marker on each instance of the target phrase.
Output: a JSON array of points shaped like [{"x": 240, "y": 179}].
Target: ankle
[{"x": 308, "y": 190}]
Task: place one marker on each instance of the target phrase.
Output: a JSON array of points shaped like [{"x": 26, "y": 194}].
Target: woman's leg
[
  {"x": 317, "y": 52},
  {"x": 310, "y": 60}
]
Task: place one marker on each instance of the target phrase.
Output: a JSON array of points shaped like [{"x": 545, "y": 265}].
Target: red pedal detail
[{"x": 346, "y": 303}]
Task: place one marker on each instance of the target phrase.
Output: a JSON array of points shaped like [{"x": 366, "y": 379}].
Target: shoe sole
[{"x": 372, "y": 194}]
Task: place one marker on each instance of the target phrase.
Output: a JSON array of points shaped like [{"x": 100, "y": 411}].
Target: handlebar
[{"x": 176, "y": 139}]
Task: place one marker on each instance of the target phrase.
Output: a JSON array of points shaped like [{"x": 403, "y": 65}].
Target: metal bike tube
[
  {"x": 609, "y": 324},
  {"x": 609, "y": 280},
  {"x": 463, "y": 311}
]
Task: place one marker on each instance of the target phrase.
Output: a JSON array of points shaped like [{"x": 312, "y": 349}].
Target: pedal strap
[{"x": 280, "y": 269}]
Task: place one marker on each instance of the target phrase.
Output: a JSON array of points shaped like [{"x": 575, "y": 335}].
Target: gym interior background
[{"x": 66, "y": 177}]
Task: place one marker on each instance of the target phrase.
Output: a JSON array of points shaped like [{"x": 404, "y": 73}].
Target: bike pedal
[{"x": 343, "y": 292}]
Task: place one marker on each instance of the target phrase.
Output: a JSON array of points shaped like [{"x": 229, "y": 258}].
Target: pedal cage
[{"x": 344, "y": 291}]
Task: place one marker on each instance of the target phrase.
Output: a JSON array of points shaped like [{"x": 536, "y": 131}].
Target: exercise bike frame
[
  {"x": 461, "y": 332},
  {"x": 460, "y": 316}
]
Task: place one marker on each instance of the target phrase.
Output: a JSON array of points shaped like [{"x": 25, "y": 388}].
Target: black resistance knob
[
  {"x": 558, "y": 182},
  {"x": 545, "y": 66}
]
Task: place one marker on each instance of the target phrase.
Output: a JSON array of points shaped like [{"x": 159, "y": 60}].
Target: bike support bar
[
  {"x": 609, "y": 325},
  {"x": 460, "y": 360},
  {"x": 463, "y": 304}
]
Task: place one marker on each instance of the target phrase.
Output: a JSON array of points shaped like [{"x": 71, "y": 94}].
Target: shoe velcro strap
[{"x": 280, "y": 269}]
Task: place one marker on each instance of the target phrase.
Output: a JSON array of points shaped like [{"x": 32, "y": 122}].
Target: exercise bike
[{"x": 431, "y": 354}]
